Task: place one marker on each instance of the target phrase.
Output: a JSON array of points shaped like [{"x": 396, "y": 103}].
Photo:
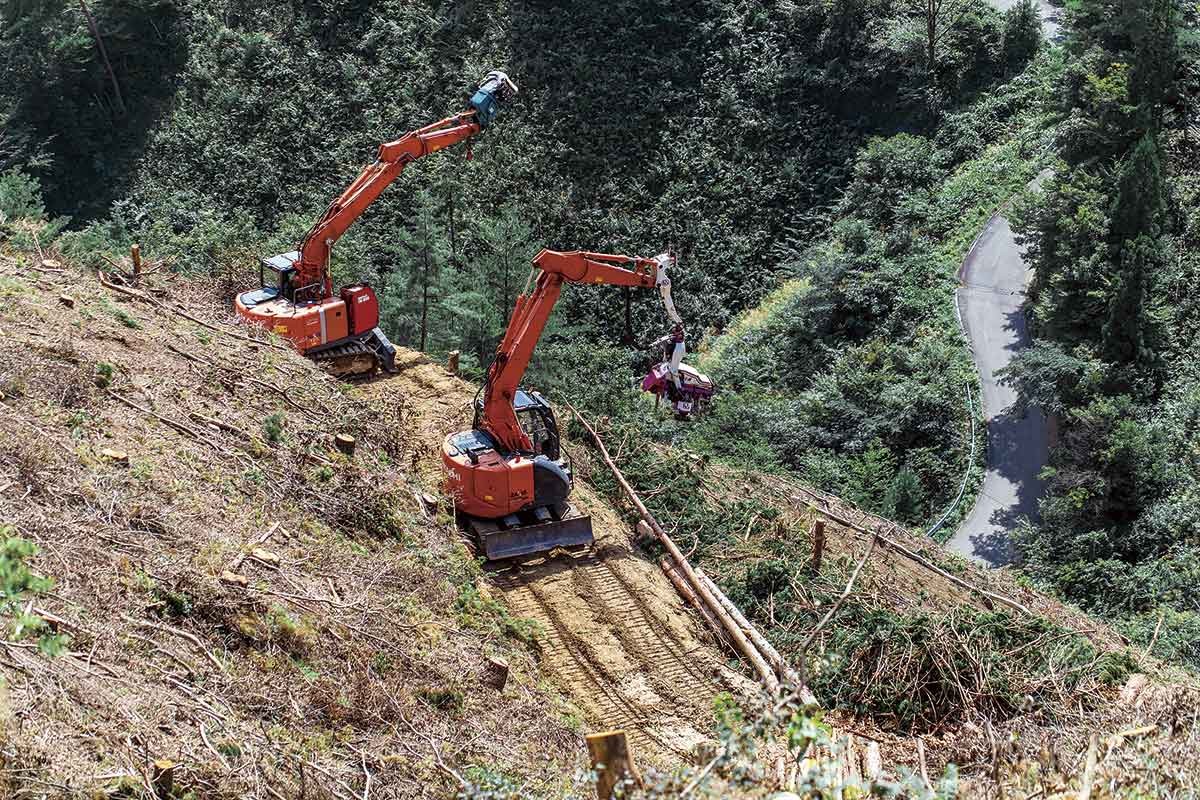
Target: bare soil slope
[
  {"x": 242, "y": 600},
  {"x": 614, "y": 633}
]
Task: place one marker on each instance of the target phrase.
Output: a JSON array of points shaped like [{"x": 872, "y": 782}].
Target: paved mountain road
[
  {"x": 994, "y": 276},
  {"x": 1051, "y": 27}
]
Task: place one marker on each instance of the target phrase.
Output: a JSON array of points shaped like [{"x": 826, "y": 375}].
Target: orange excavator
[
  {"x": 296, "y": 301},
  {"x": 508, "y": 474}
]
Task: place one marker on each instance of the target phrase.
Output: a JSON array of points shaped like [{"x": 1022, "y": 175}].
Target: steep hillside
[
  {"x": 233, "y": 595},
  {"x": 240, "y": 598}
]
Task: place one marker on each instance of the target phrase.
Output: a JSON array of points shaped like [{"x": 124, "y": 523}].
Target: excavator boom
[
  {"x": 529, "y": 319},
  {"x": 341, "y": 331},
  {"x": 313, "y": 265},
  {"x": 507, "y": 473}
]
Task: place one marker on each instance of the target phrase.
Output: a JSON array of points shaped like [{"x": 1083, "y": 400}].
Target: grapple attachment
[{"x": 494, "y": 90}]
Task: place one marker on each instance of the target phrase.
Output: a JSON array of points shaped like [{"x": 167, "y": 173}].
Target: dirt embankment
[
  {"x": 615, "y": 635},
  {"x": 240, "y": 599},
  {"x": 277, "y": 619}
]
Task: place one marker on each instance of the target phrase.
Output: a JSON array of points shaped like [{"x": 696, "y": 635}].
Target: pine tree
[
  {"x": 505, "y": 250},
  {"x": 1141, "y": 194},
  {"x": 1129, "y": 333},
  {"x": 1022, "y": 34},
  {"x": 414, "y": 288},
  {"x": 1137, "y": 242},
  {"x": 1155, "y": 61}
]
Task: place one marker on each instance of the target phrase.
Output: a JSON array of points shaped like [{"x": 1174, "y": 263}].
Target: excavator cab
[
  {"x": 536, "y": 419},
  {"x": 276, "y": 278}
]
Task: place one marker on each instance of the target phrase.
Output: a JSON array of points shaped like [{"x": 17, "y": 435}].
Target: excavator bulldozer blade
[{"x": 504, "y": 543}]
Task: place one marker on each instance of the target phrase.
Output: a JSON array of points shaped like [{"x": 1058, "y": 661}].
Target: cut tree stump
[
  {"x": 265, "y": 556},
  {"x": 612, "y": 762},
  {"x": 495, "y": 673},
  {"x": 67, "y": 300},
  {"x": 814, "y": 566},
  {"x": 116, "y": 456},
  {"x": 873, "y": 762},
  {"x": 345, "y": 443},
  {"x": 452, "y": 362},
  {"x": 163, "y": 777},
  {"x": 234, "y": 579}
]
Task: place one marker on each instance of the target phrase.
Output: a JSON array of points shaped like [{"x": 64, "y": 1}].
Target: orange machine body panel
[
  {"x": 491, "y": 486},
  {"x": 361, "y": 306},
  {"x": 305, "y": 325}
]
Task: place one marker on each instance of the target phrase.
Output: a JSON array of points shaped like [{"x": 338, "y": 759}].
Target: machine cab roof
[{"x": 279, "y": 284}]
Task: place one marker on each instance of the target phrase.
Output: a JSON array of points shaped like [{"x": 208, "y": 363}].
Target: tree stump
[
  {"x": 163, "y": 777},
  {"x": 814, "y": 566},
  {"x": 495, "y": 673},
  {"x": 135, "y": 255},
  {"x": 234, "y": 579},
  {"x": 345, "y": 443},
  {"x": 452, "y": 362},
  {"x": 612, "y": 761}
]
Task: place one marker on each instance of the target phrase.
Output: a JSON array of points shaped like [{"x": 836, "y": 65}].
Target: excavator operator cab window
[
  {"x": 537, "y": 420},
  {"x": 277, "y": 276}
]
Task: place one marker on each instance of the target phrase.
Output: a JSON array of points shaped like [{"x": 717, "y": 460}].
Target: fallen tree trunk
[
  {"x": 892, "y": 544},
  {"x": 737, "y": 637},
  {"x": 695, "y": 602},
  {"x": 765, "y": 647}
]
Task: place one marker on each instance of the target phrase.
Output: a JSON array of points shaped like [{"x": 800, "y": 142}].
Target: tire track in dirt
[{"x": 620, "y": 660}]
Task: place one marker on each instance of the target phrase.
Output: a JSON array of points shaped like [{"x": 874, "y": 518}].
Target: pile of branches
[{"x": 921, "y": 672}]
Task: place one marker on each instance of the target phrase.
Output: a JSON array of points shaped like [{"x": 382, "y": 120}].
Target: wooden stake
[
  {"x": 873, "y": 761},
  {"x": 612, "y": 761},
  {"x": 814, "y": 566},
  {"x": 135, "y": 255},
  {"x": 1089, "y": 769}
]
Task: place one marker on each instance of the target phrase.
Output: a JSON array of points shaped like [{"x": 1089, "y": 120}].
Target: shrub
[
  {"x": 17, "y": 583},
  {"x": 273, "y": 428}
]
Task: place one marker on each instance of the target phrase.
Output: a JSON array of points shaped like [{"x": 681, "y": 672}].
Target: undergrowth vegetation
[{"x": 1113, "y": 236}]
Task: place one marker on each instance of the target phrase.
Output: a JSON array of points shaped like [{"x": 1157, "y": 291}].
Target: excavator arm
[
  {"x": 312, "y": 266},
  {"x": 529, "y": 318}
]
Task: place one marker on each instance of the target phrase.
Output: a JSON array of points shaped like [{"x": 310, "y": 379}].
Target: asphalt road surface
[
  {"x": 994, "y": 277},
  {"x": 1050, "y": 14}
]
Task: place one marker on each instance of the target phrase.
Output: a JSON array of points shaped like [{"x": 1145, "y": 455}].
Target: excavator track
[
  {"x": 647, "y": 636},
  {"x": 352, "y": 358},
  {"x": 618, "y": 610}
]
